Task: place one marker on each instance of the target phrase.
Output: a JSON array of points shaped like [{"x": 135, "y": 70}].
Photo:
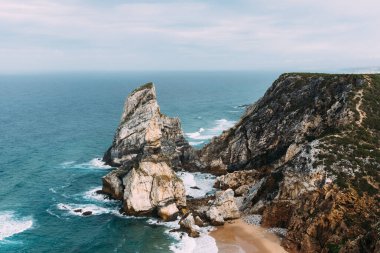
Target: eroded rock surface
[
  {"x": 223, "y": 208},
  {"x": 187, "y": 224},
  {"x": 305, "y": 157},
  {"x": 144, "y": 130},
  {"x": 150, "y": 185},
  {"x": 313, "y": 141},
  {"x": 147, "y": 147}
]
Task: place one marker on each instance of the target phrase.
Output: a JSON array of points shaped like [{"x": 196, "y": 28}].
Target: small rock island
[{"x": 305, "y": 158}]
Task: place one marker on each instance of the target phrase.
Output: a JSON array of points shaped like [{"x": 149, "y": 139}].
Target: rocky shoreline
[{"x": 303, "y": 161}]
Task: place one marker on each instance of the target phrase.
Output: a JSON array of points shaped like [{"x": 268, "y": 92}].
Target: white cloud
[{"x": 290, "y": 34}]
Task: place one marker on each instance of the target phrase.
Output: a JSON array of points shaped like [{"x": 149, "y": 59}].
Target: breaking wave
[
  {"x": 197, "y": 184},
  {"x": 80, "y": 209},
  {"x": 96, "y": 163},
  {"x": 208, "y": 133},
  {"x": 10, "y": 224},
  {"x": 185, "y": 244}
]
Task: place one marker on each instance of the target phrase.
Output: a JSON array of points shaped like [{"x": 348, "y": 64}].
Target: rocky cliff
[
  {"x": 144, "y": 130},
  {"x": 307, "y": 157},
  {"x": 147, "y": 147}
]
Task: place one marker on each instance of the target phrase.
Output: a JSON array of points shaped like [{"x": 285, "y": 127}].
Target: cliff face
[
  {"x": 147, "y": 147},
  {"x": 310, "y": 149},
  {"x": 143, "y": 131},
  {"x": 293, "y": 110},
  {"x": 306, "y": 157}
]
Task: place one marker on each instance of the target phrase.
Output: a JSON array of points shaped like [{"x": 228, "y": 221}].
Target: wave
[
  {"x": 11, "y": 224},
  {"x": 93, "y": 195},
  {"x": 197, "y": 184},
  {"x": 206, "y": 134},
  {"x": 196, "y": 143},
  {"x": 96, "y": 163},
  {"x": 67, "y": 164},
  {"x": 52, "y": 190},
  {"x": 79, "y": 209},
  {"x": 185, "y": 244}
]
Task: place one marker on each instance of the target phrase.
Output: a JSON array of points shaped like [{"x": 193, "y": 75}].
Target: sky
[{"x": 112, "y": 35}]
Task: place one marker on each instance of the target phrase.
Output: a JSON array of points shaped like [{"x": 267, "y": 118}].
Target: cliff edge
[{"x": 306, "y": 157}]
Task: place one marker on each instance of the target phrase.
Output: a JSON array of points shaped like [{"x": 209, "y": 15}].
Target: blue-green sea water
[{"x": 54, "y": 126}]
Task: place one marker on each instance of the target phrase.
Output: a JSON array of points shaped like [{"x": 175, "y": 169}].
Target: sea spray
[{"x": 10, "y": 224}]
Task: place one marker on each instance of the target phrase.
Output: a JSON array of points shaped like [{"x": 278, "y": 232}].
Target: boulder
[
  {"x": 87, "y": 213},
  {"x": 223, "y": 208},
  {"x": 242, "y": 190},
  {"x": 187, "y": 224},
  {"x": 216, "y": 218},
  {"x": 235, "y": 179},
  {"x": 168, "y": 212},
  {"x": 199, "y": 222},
  {"x": 150, "y": 185},
  {"x": 113, "y": 185}
]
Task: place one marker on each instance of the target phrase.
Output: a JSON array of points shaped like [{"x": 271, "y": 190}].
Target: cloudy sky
[{"x": 75, "y": 35}]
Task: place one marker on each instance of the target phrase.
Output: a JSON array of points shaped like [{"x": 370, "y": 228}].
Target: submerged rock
[{"x": 87, "y": 213}]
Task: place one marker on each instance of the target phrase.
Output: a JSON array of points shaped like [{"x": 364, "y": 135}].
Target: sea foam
[
  {"x": 95, "y": 163},
  {"x": 197, "y": 184},
  {"x": 208, "y": 133},
  {"x": 94, "y": 209},
  {"x": 186, "y": 244},
  {"x": 93, "y": 195},
  {"x": 196, "y": 143},
  {"x": 10, "y": 224}
]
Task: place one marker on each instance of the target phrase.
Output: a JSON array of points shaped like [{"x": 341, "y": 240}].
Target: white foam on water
[
  {"x": 11, "y": 225},
  {"x": 185, "y": 243},
  {"x": 98, "y": 163},
  {"x": 196, "y": 143},
  {"x": 205, "y": 244},
  {"x": 52, "y": 213},
  {"x": 95, "y": 163},
  {"x": 67, "y": 164},
  {"x": 96, "y": 210},
  {"x": 93, "y": 195},
  {"x": 52, "y": 190},
  {"x": 206, "y": 134},
  {"x": 197, "y": 184}
]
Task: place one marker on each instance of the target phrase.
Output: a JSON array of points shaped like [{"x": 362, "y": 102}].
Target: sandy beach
[{"x": 239, "y": 236}]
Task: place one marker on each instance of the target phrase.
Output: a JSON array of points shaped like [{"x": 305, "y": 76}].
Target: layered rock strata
[
  {"x": 310, "y": 149},
  {"x": 305, "y": 158},
  {"x": 144, "y": 130},
  {"x": 147, "y": 147}
]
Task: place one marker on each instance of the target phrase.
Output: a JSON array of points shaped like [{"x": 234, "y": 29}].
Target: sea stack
[
  {"x": 144, "y": 130},
  {"x": 147, "y": 147}
]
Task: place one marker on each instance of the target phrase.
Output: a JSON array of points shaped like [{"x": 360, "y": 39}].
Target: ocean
[{"x": 54, "y": 128}]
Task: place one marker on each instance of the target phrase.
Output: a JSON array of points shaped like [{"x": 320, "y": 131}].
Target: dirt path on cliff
[{"x": 362, "y": 114}]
